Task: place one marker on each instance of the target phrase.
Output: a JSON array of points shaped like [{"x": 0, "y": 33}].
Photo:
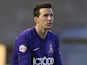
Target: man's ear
[{"x": 36, "y": 19}]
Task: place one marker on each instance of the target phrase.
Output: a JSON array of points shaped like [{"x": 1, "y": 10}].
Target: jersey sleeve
[
  {"x": 22, "y": 53},
  {"x": 57, "y": 53}
]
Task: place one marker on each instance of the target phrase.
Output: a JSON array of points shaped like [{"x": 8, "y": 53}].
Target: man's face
[{"x": 45, "y": 19}]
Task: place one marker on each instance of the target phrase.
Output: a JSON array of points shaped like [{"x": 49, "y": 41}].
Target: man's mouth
[{"x": 49, "y": 23}]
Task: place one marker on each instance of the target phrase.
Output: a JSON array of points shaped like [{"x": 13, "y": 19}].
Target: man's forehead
[{"x": 46, "y": 11}]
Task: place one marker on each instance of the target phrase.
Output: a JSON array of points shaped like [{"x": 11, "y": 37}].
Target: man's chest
[
  {"x": 43, "y": 48},
  {"x": 43, "y": 52}
]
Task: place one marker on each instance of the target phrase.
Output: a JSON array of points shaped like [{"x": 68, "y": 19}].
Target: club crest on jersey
[{"x": 50, "y": 47}]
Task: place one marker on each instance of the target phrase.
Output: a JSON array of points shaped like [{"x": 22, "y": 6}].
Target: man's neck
[{"x": 41, "y": 32}]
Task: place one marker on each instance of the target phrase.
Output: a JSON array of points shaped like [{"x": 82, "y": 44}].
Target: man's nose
[{"x": 50, "y": 18}]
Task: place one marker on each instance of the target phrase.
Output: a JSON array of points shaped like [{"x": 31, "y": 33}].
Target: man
[{"x": 38, "y": 45}]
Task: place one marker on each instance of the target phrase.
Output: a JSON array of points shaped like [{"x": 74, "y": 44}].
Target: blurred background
[{"x": 70, "y": 24}]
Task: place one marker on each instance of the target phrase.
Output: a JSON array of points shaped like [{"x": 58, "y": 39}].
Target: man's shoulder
[
  {"x": 26, "y": 32},
  {"x": 53, "y": 36},
  {"x": 52, "y": 33}
]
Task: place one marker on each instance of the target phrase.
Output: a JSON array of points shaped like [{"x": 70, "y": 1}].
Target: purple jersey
[{"x": 30, "y": 49}]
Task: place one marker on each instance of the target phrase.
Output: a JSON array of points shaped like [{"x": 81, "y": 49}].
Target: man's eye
[
  {"x": 51, "y": 14},
  {"x": 46, "y": 15}
]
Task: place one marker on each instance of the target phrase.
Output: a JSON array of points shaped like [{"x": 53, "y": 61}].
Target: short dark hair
[{"x": 39, "y": 6}]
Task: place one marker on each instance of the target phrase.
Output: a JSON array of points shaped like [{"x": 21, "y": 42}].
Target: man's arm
[
  {"x": 57, "y": 59},
  {"x": 22, "y": 53}
]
